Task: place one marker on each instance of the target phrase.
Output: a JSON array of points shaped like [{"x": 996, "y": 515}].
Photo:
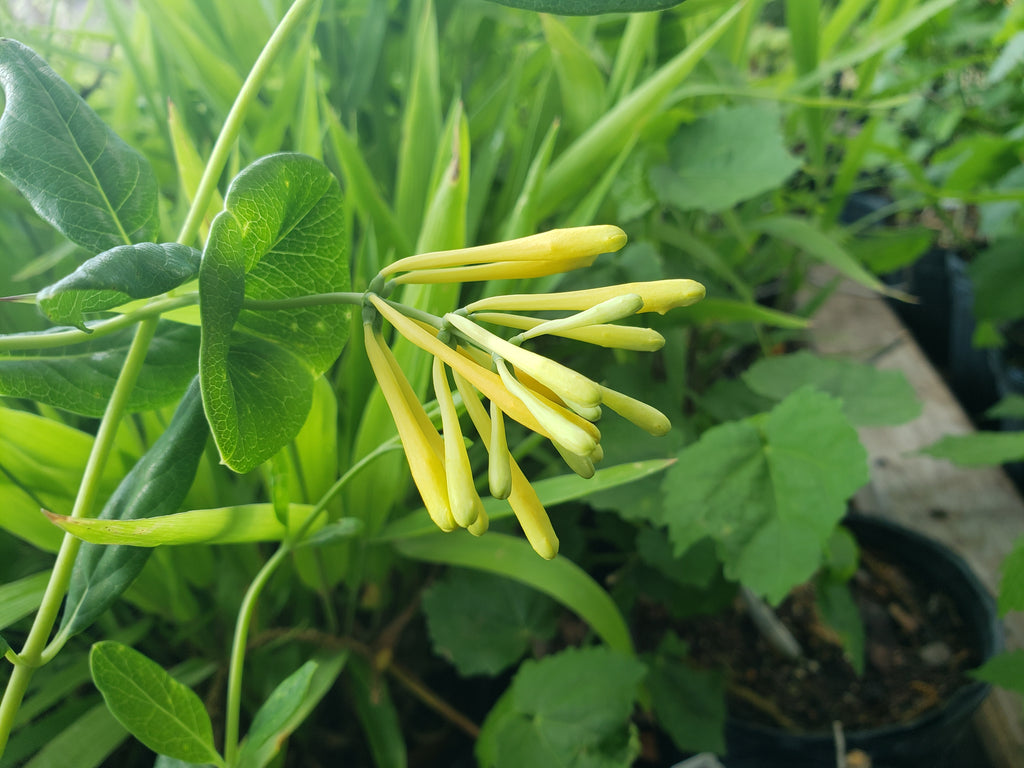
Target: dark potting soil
[{"x": 916, "y": 655}]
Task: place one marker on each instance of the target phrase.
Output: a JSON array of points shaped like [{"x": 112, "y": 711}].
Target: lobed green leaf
[
  {"x": 74, "y": 170},
  {"x": 769, "y": 490},
  {"x": 280, "y": 235},
  {"x": 979, "y": 449}
]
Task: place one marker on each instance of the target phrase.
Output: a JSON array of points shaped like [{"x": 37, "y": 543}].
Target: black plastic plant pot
[{"x": 936, "y": 738}]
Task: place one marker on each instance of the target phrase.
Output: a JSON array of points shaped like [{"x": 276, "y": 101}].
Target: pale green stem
[
  {"x": 297, "y": 302},
  {"x": 31, "y": 655},
  {"x": 31, "y": 341},
  {"x": 238, "y": 646}
]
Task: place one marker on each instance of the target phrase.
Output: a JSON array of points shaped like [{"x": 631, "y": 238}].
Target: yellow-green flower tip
[
  {"x": 577, "y": 242},
  {"x": 480, "y": 525},
  {"x": 647, "y": 417},
  {"x": 662, "y": 295}
]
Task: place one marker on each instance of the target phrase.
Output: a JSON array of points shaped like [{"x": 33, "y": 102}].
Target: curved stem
[
  {"x": 311, "y": 300},
  {"x": 31, "y": 655},
  {"x": 236, "y": 117},
  {"x": 33, "y": 340}
]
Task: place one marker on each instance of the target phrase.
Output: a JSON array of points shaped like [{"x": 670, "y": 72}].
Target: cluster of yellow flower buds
[{"x": 541, "y": 394}]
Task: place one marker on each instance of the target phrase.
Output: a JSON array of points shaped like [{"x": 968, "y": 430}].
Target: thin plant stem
[
  {"x": 31, "y": 655},
  {"x": 236, "y": 118},
  {"x": 33, "y": 340}
]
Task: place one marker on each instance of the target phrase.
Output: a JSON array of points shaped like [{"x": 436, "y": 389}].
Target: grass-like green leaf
[
  {"x": 589, "y": 7},
  {"x": 509, "y": 556},
  {"x": 551, "y": 491},
  {"x": 870, "y": 396},
  {"x": 769, "y": 490},
  {"x": 162, "y": 713},
  {"x": 74, "y": 170},
  {"x": 377, "y": 714},
  {"x": 732, "y": 311},
  {"x": 116, "y": 277},
  {"x": 86, "y": 742},
  {"x": 979, "y": 449},
  {"x": 19, "y": 598},
  {"x": 156, "y": 485},
  {"x": 280, "y": 235},
  {"x": 41, "y": 464},
  {"x": 821, "y": 247},
  {"x": 80, "y": 377},
  {"x": 287, "y": 707},
  {"x": 723, "y": 158}
]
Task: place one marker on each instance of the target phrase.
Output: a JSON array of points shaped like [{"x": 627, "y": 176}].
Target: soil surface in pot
[{"x": 916, "y": 655}]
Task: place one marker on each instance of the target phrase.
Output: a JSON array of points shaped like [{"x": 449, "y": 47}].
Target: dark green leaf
[
  {"x": 589, "y": 7},
  {"x": 85, "y": 743},
  {"x": 569, "y": 709},
  {"x": 513, "y": 557},
  {"x": 286, "y": 708},
  {"x": 75, "y": 171},
  {"x": 156, "y": 485},
  {"x": 484, "y": 623},
  {"x": 997, "y": 275},
  {"x": 696, "y": 567},
  {"x": 280, "y": 235},
  {"x": 979, "y": 449},
  {"x": 870, "y": 396},
  {"x": 80, "y": 378},
  {"x": 4, "y": 646},
  {"x": 723, "y": 158},
  {"x": 156, "y": 709},
  {"x": 117, "y": 276},
  {"x": 377, "y": 714},
  {"x": 688, "y": 702},
  {"x": 1005, "y": 670},
  {"x": 768, "y": 489}
]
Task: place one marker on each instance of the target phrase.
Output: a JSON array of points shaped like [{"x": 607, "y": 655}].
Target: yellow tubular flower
[
  {"x": 659, "y": 296},
  {"x": 563, "y": 381},
  {"x": 484, "y": 380},
  {"x": 499, "y": 476},
  {"x": 462, "y": 496},
  {"x": 611, "y": 336},
  {"x": 606, "y": 312},
  {"x": 581, "y": 465},
  {"x": 643, "y": 415},
  {"x": 480, "y": 525},
  {"x": 557, "y": 246},
  {"x": 424, "y": 462},
  {"x": 501, "y": 270},
  {"x": 558, "y": 427},
  {"x": 532, "y": 516}
]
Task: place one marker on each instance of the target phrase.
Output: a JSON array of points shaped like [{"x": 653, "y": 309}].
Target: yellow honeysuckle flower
[
  {"x": 424, "y": 460},
  {"x": 631, "y": 337},
  {"x": 463, "y": 499},
  {"x": 563, "y": 381},
  {"x": 658, "y": 296},
  {"x": 499, "y": 475},
  {"x": 645, "y": 416},
  {"x": 526, "y": 506},
  {"x": 557, "y": 247},
  {"x": 500, "y": 270},
  {"x": 609, "y": 311}
]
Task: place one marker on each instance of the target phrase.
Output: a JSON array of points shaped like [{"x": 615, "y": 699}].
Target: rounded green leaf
[
  {"x": 156, "y": 709},
  {"x": 281, "y": 235},
  {"x": 75, "y": 171}
]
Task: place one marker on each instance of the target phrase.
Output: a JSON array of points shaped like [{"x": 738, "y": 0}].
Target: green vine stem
[
  {"x": 32, "y": 654},
  {"x": 248, "y": 606}
]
